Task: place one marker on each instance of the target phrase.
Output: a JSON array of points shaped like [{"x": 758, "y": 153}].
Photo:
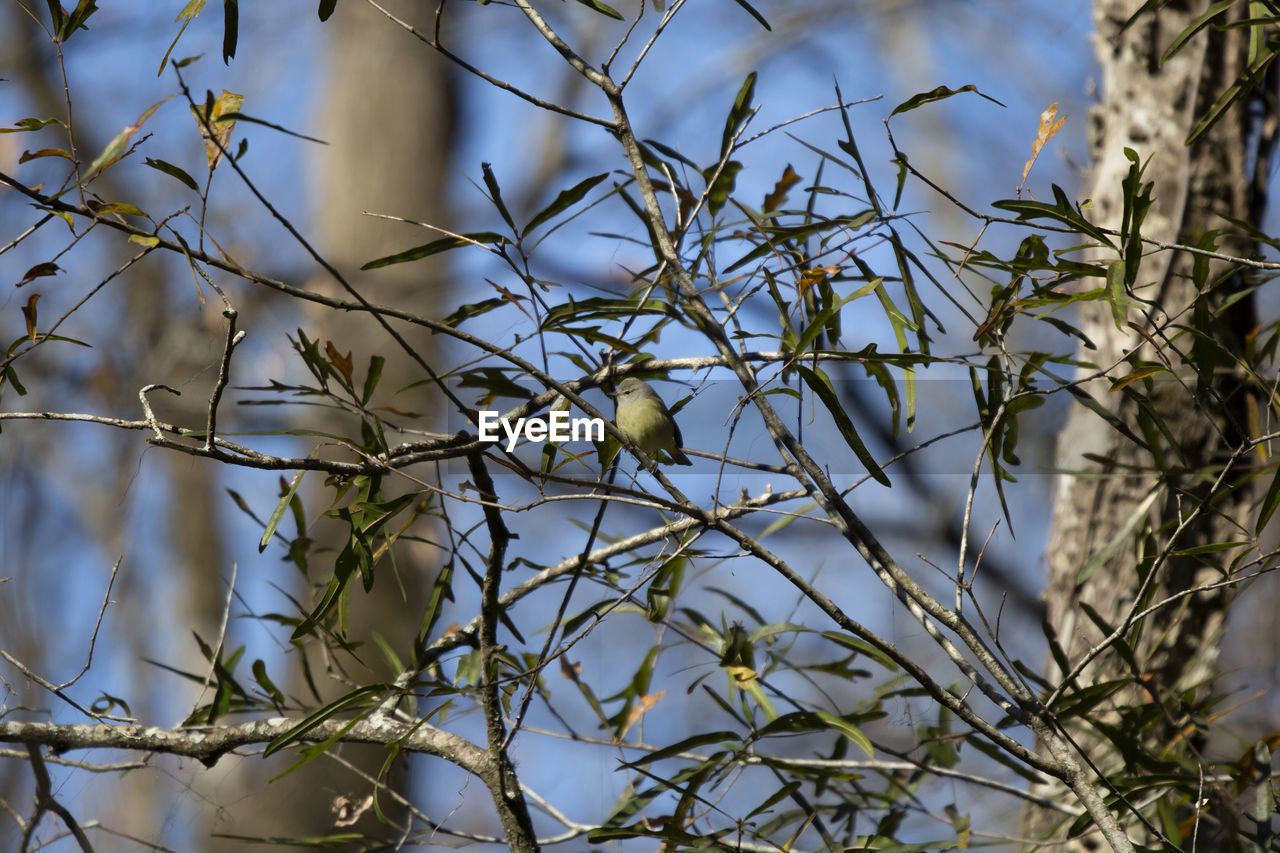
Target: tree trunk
[
  {"x": 388, "y": 118},
  {"x": 1150, "y": 499}
]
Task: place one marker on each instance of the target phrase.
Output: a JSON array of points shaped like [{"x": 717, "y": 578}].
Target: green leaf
[
  {"x": 371, "y": 377},
  {"x": 1137, "y": 517},
  {"x": 174, "y": 172},
  {"x": 299, "y": 730},
  {"x": 328, "y": 841},
  {"x": 753, "y": 13},
  {"x": 808, "y": 721},
  {"x": 1062, "y": 210},
  {"x": 230, "y": 29},
  {"x": 738, "y": 114},
  {"x": 495, "y": 382},
  {"x": 281, "y": 505},
  {"x": 1194, "y": 27},
  {"x": 667, "y": 151},
  {"x": 776, "y": 797},
  {"x": 1086, "y": 399},
  {"x": 687, "y": 745},
  {"x": 566, "y": 199},
  {"x": 474, "y": 309},
  {"x": 117, "y": 207},
  {"x": 937, "y": 94},
  {"x": 235, "y": 116},
  {"x": 1142, "y": 371},
  {"x": 1269, "y": 503},
  {"x": 435, "y": 247},
  {"x": 1117, "y": 294},
  {"x": 849, "y": 730},
  {"x": 441, "y": 591},
  {"x": 1247, "y": 82},
  {"x": 603, "y": 308},
  {"x": 849, "y": 145},
  {"x": 603, "y": 8},
  {"x": 57, "y": 15},
  {"x": 29, "y": 124},
  {"x": 1211, "y": 548},
  {"x": 1001, "y": 757},
  {"x": 495, "y": 195},
  {"x": 722, "y": 188},
  {"x": 820, "y": 320},
  {"x": 264, "y": 681},
  {"x": 76, "y": 19},
  {"x": 821, "y": 385},
  {"x": 188, "y": 14}
]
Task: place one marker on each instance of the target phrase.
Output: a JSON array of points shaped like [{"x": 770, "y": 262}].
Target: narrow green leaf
[
  {"x": 849, "y": 730},
  {"x": 28, "y": 124},
  {"x": 1136, "y": 517},
  {"x": 1086, "y": 399},
  {"x": 188, "y": 14},
  {"x": 722, "y": 188},
  {"x": 1195, "y": 26},
  {"x": 817, "y": 380},
  {"x": 264, "y": 681},
  {"x": 1062, "y": 210},
  {"x": 776, "y": 797},
  {"x": 441, "y": 591},
  {"x": 315, "y": 718},
  {"x": 738, "y": 114},
  {"x": 1000, "y": 757},
  {"x": 603, "y": 8},
  {"x": 174, "y": 172},
  {"x": 1269, "y": 503},
  {"x": 230, "y": 29},
  {"x": 76, "y": 19},
  {"x": 753, "y": 13},
  {"x": 495, "y": 195},
  {"x": 668, "y": 151},
  {"x": 687, "y": 745},
  {"x": 473, "y": 309},
  {"x": 566, "y": 199},
  {"x": 1140, "y": 372},
  {"x": 57, "y": 15},
  {"x": 117, "y": 207},
  {"x": 1117, "y": 295},
  {"x": 371, "y": 377},
  {"x": 937, "y": 94},
  {"x": 435, "y": 247},
  {"x": 281, "y": 505},
  {"x": 1245, "y": 83},
  {"x": 1211, "y": 548},
  {"x": 235, "y": 116}
]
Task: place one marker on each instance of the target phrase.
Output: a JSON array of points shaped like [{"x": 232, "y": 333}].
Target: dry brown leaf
[
  {"x": 1050, "y": 124},
  {"x": 646, "y": 704}
]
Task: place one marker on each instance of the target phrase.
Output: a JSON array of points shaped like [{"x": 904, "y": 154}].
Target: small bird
[{"x": 641, "y": 416}]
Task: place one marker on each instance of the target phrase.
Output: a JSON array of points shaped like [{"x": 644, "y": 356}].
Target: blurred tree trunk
[
  {"x": 1120, "y": 491},
  {"x": 388, "y": 118},
  {"x": 156, "y": 350}
]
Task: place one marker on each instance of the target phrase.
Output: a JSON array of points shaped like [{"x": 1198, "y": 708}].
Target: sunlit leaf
[{"x": 603, "y": 8}]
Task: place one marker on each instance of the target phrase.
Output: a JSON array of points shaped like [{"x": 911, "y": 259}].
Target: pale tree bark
[{"x": 1121, "y": 492}]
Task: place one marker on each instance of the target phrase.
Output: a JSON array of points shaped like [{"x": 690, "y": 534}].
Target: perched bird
[{"x": 641, "y": 416}]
